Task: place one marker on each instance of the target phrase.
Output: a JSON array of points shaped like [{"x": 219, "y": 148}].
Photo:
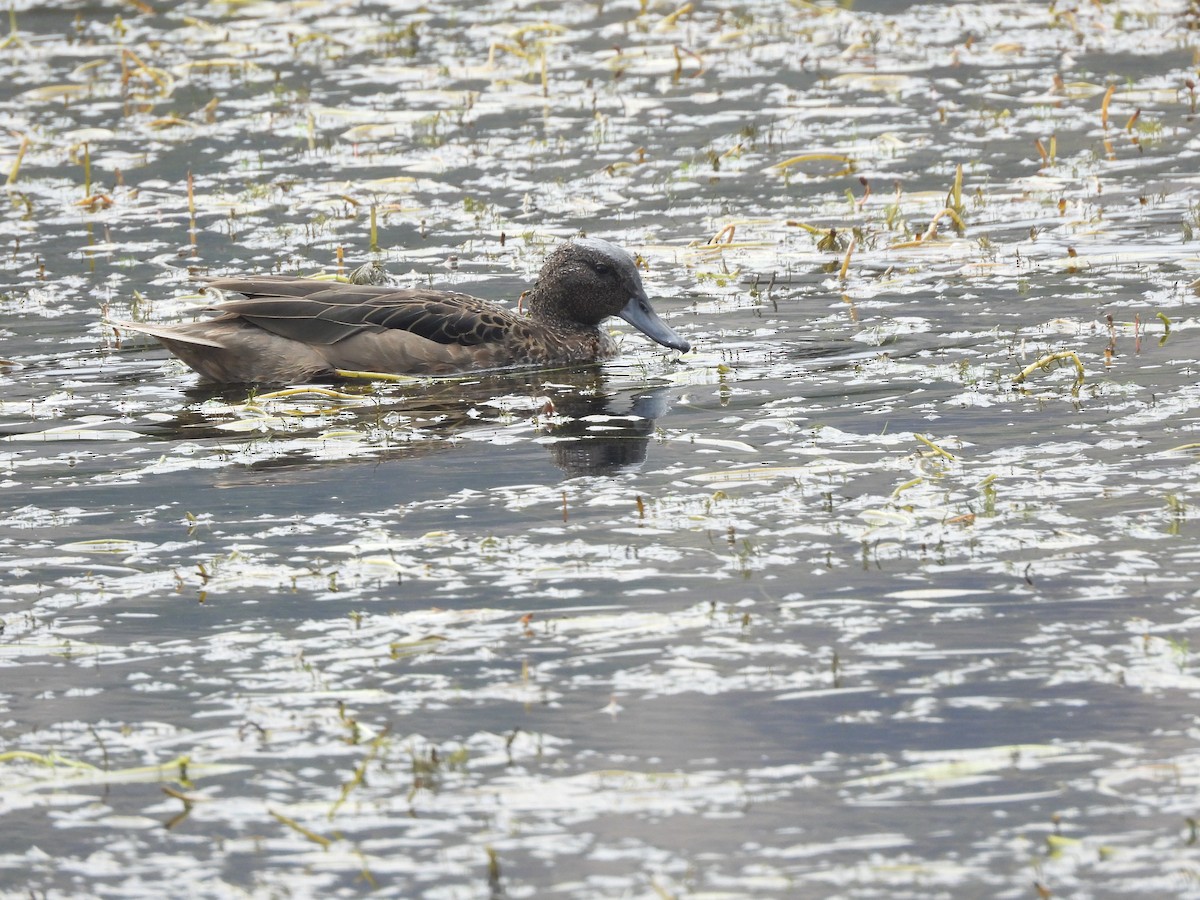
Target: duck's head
[{"x": 587, "y": 280}]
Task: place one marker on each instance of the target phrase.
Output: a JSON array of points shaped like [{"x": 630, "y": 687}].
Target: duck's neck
[{"x": 549, "y": 312}]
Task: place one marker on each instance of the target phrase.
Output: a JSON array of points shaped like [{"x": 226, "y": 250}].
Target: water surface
[{"x": 836, "y": 605}]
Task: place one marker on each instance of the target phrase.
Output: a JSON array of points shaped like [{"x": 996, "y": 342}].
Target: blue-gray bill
[{"x": 638, "y": 313}]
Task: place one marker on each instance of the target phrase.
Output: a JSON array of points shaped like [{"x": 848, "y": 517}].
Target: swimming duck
[{"x": 290, "y": 330}]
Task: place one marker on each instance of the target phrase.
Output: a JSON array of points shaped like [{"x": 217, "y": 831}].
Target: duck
[{"x": 294, "y": 330}]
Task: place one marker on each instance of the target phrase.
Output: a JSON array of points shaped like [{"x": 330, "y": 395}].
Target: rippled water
[{"x": 836, "y": 605}]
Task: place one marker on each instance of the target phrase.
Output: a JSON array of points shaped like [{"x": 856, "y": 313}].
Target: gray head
[{"x": 587, "y": 280}]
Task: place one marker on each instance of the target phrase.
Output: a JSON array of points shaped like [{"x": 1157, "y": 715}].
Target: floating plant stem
[
  {"x": 374, "y": 242},
  {"x": 955, "y": 199},
  {"x": 158, "y": 76},
  {"x": 959, "y": 225},
  {"x": 14, "y": 38},
  {"x": 374, "y": 376},
  {"x": 1048, "y": 155},
  {"x": 493, "y": 869},
  {"x": 946, "y": 454},
  {"x": 912, "y": 482},
  {"x": 670, "y": 20},
  {"x": 1162, "y": 317},
  {"x": 307, "y": 392},
  {"x": 811, "y": 229},
  {"x": 178, "y": 795},
  {"x": 1052, "y": 361},
  {"x": 817, "y": 157},
  {"x": 846, "y": 261},
  {"x": 861, "y": 202},
  {"x": 300, "y": 829},
  {"x": 360, "y": 773},
  {"x": 51, "y": 759},
  {"x": 1041, "y": 151},
  {"x": 364, "y": 873},
  {"x": 183, "y": 798},
  {"x": 191, "y": 196},
  {"x": 16, "y": 166},
  {"x": 1104, "y": 106},
  {"x": 727, "y": 233}
]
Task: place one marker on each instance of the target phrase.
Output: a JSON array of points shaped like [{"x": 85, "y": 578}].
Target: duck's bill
[{"x": 641, "y": 315}]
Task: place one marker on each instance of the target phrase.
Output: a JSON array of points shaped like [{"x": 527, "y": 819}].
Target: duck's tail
[
  {"x": 167, "y": 334},
  {"x": 230, "y": 351}
]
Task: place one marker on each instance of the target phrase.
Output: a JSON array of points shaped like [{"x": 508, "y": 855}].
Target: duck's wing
[{"x": 324, "y": 313}]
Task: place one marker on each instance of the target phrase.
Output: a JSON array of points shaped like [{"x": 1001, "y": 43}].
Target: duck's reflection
[
  {"x": 581, "y": 445},
  {"x": 589, "y": 423}
]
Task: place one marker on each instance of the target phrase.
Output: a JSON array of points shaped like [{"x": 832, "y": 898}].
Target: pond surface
[{"x": 884, "y": 590}]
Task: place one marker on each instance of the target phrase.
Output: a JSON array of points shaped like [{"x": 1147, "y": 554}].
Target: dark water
[{"x": 834, "y": 605}]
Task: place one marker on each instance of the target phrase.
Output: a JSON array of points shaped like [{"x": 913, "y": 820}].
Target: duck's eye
[{"x": 602, "y": 270}]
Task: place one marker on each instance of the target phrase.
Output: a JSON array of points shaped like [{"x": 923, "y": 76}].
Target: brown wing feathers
[{"x": 317, "y": 312}]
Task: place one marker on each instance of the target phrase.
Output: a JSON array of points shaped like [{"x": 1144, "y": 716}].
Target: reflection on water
[
  {"x": 598, "y": 438},
  {"x": 588, "y": 427}
]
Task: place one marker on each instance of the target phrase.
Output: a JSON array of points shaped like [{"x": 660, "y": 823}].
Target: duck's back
[{"x": 323, "y": 313}]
